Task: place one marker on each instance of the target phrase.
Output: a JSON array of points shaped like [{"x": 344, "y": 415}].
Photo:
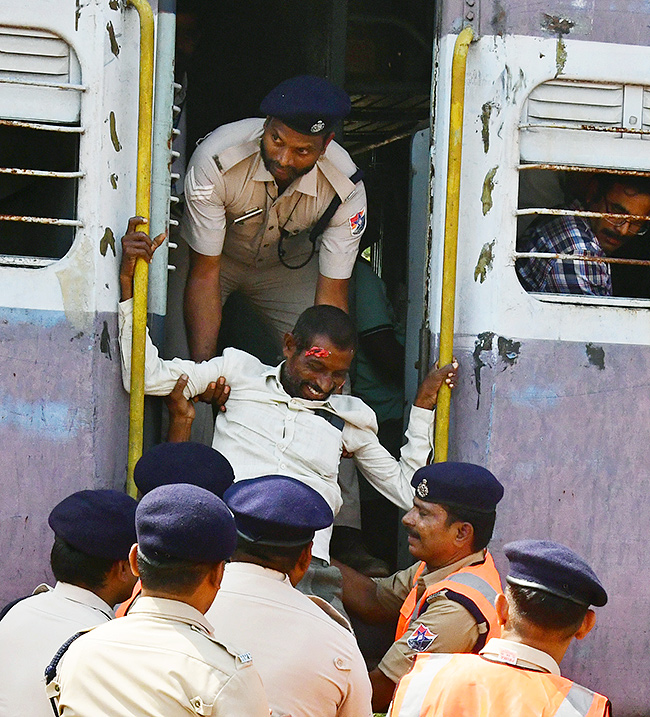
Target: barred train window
[
  {"x": 584, "y": 188},
  {"x": 40, "y": 129}
]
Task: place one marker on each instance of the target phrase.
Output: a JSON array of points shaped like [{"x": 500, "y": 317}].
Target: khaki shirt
[
  {"x": 31, "y": 633},
  {"x": 226, "y": 181},
  {"x": 453, "y": 627},
  {"x": 161, "y": 660},
  {"x": 310, "y": 665}
]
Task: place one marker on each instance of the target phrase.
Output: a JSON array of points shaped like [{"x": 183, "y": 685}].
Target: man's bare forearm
[
  {"x": 202, "y": 307},
  {"x": 332, "y": 291},
  {"x": 360, "y": 597}
]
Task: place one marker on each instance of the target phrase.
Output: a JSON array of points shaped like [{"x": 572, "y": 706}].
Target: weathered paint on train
[
  {"x": 63, "y": 412},
  {"x": 553, "y": 396}
]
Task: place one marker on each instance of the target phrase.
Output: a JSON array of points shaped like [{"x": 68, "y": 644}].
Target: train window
[
  {"x": 584, "y": 189},
  {"x": 40, "y": 129}
]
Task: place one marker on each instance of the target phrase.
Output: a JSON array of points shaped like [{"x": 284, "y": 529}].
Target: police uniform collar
[
  {"x": 171, "y": 609},
  {"x": 517, "y": 654},
  {"x": 74, "y": 593},
  {"x": 429, "y": 577},
  {"x": 243, "y": 568}
]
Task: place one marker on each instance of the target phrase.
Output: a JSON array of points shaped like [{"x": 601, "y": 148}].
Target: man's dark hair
[
  {"x": 70, "y": 565},
  {"x": 171, "y": 575},
  {"x": 483, "y": 523},
  {"x": 639, "y": 185},
  {"x": 545, "y": 610},
  {"x": 324, "y": 320},
  {"x": 280, "y": 558}
]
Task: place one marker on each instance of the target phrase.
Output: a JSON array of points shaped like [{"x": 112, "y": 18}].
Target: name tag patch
[{"x": 421, "y": 638}]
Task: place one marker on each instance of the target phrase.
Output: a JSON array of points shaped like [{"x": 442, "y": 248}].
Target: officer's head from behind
[
  {"x": 548, "y": 596},
  {"x": 318, "y": 353},
  {"x": 93, "y": 533},
  {"x": 300, "y": 117},
  {"x": 453, "y": 512},
  {"x": 276, "y": 519},
  {"x": 187, "y": 462},
  {"x": 185, "y": 534}
]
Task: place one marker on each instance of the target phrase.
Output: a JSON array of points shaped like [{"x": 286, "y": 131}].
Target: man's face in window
[{"x": 612, "y": 233}]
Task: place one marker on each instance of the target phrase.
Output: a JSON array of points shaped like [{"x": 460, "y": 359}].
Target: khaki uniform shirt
[
  {"x": 227, "y": 181},
  {"x": 519, "y": 655},
  {"x": 161, "y": 660},
  {"x": 30, "y": 635},
  {"x": 310, "y": 665},
  {"x": 454, "y": 629}
]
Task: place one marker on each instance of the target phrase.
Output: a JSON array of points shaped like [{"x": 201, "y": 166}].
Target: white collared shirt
[
  {"x": 265, "y": 431},
  {"x": 310, "y": 665},
  {"x": 226, "y": 181},
  {"x": 30, "y": 635},
  {"x": 516, "y": 653}
]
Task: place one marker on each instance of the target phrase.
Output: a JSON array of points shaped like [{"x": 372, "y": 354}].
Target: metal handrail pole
[
  {"x": 141, "y": 278},
  {"x": 448, "y": 302}
]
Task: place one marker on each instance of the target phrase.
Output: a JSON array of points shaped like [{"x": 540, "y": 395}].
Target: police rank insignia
[
  {"x": 358, "y": 223},
  {"x": 421, "y": 638},
  {"x": 422, "y": 491},
  {"x": 317, "y": 127}
]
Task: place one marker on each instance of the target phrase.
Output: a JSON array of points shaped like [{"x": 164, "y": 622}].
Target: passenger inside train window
[{"x": 593, "y": 236}]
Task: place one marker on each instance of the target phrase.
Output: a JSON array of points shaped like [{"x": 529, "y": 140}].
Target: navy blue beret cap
[
  {"x": 458, "y": 484},
  {"x": 309, "y": 105},
  {"x": 555, "y": 569},
  {"x": 96, "y": 522},
  {"x": 193, "y": 463},
  {"x": 277, "y": 510},
  {"x": 186, "y": 522}
]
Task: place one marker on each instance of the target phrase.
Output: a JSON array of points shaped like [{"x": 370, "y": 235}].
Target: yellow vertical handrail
[
  {"x": 141, "y": 279},
  {"x": 448, "y": 302}
]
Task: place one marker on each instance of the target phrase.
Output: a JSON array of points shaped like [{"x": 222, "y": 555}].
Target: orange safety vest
[
  {"x": 124, "y": 607},
  {"x": 475, "y": 587},
  {"x": 467, "y": 685}
]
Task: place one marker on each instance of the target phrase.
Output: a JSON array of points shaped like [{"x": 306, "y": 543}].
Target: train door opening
[{"x": 381, "y": 53}]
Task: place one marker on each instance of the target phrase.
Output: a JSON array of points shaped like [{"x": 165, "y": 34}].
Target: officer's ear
[
  {"x": 328, "y": 139},
  {"x": 133, "y": 560},
  {"x": 502, "y": 609},
  {"x": 587, "y": 625}
]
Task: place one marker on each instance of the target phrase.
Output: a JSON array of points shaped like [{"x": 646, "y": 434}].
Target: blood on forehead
[{"x": 318, "y": 352}]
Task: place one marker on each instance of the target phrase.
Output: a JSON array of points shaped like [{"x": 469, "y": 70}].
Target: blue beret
[
  {"x": 96, "y": 522},
  {"x": 458, "y": 484},
  {"x": 277, "y": 510},
  {"x": 186, "y": 522},
  {"x": 194, "y": 463},
  {"x": 555, "y": 569},
  {"x": 309, "y": 105}
]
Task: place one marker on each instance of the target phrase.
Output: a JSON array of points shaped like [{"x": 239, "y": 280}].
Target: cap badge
[
  {"x": 422, "y": 491},
  {"x": 317, "y": 127}
]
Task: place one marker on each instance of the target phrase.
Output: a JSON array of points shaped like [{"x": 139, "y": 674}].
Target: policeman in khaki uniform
[
  {"x": 93, "y": 533},
  {"x": 545, "y": 606},
  {"x": 303, "y": 648},
  {"x": 444, "y": 603},
  {"x": 163, "y": 658},
  {"x": 254, "y": 189}
]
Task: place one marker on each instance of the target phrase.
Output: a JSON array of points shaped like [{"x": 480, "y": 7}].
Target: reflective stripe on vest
[
  {"x": 450, "y": 685},
  {"x": 475, "y": 587}
]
